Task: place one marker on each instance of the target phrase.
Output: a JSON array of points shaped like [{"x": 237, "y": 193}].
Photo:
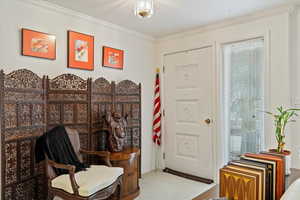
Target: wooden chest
[{"x": 128, "y": 160}]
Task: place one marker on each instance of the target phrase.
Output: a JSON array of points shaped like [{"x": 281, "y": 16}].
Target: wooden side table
[{"x": 128, "y": 160}]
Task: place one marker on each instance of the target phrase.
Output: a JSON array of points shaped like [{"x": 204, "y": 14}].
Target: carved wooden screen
[
  {"x": 30, "y": 105},
  {"x": 102, "y": 102},
  {"x": 22, "y": 121},
  {"x": 68, "y": 101},
  {"x": 127, "y": 100}
]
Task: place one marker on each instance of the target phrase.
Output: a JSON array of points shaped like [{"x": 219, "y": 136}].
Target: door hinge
[
  {"x": 164, "y": 69},
  {"x": 164, "y": 112},
  {"x": 164, "y": 155}
]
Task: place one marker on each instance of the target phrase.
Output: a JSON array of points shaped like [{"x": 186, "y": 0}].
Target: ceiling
[{"x": 171, "y": 16}]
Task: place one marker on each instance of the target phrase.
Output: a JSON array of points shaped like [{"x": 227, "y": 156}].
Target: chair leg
[
  {"x": 119, "y": 191},
  {"x": 117, "y": 195},
  {"x": 50, "y": 196}
]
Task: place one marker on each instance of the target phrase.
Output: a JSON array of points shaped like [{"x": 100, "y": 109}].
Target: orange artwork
[
  {"x": 80, "y": 51},
  {"x": 113, "y": 58},
  {"x": 38, "y": 44}
]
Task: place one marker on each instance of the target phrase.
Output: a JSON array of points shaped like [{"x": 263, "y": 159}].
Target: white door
[{"x": 188, "y": 109}]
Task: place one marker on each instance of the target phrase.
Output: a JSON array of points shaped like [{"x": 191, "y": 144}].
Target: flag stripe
[
  {"x": 157, "y": 120},
  {"x": 156, "y": 137}
]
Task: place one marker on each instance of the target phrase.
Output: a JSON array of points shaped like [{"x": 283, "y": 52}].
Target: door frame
[
  {"x": 222, "y": 141},
  {"x": 217, "y": 106},
  {"x": 214, "y": 104}
]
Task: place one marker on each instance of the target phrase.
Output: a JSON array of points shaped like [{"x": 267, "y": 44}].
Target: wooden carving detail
[
  {"x": 102, "y": 86},
  {"x": 22, "y": 104},
  {"x": 68, "y": 104},
  {"x": 68, "y": 113},
  {"x": 38, "y": 113},
  {"x": 23, "y": 79},
  {"x": 10, "y": 163},
  {"x": 82, "y": 113},
  {"x": 26, "y": 190},
  {"x": 25, "y": 159},
  {"x": 8, "y": 193},
  {"x": 30, "y": 105},
  {"x": 25, "y": 118},
  {"x": 10, "y": 115},
  {"x": 127, "y": 102},
  {"x": 136, "y": 136},
  {"x": 127, "y": 87},
  {"x": 68, "y": 82},
  {"x": 101, "y": 103}
]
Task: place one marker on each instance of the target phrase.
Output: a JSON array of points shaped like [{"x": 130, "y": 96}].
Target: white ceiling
[{"x": 170, "y": 16}]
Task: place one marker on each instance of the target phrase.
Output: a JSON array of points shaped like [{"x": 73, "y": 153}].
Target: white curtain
[{"x": 243, "y": 97}]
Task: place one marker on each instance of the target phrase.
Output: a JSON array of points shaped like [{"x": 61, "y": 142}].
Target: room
[{"x": 150, "y": 99}]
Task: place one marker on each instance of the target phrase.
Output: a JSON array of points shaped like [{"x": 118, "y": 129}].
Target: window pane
[{"x": 243, "y": 97}]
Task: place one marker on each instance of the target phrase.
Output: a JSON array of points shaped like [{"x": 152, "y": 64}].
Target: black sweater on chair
[{"x": 57, "y": 146}]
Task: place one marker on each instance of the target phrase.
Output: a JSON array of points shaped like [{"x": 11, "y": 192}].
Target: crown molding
[
  {"x": 66, "y": 11},
  {"x": 287, "y": 8}
]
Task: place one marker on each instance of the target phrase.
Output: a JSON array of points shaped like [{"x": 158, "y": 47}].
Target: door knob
[{"x": 207, "y": 121}]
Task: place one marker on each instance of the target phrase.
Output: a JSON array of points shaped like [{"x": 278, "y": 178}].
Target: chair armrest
[
  {"x": 105, "y": 155},
  {"x": 71, "y": 169}
]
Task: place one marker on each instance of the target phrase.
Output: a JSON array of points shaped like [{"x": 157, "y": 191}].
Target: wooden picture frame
[
  {"x": 80, "y": 51},
  {"x": 38, "y": 44},
  {"x": 113, "y": 58}
]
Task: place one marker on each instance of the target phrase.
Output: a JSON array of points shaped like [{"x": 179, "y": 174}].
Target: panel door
[{"x": 188, "y": 111}]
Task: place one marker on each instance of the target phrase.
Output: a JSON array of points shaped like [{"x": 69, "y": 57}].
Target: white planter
[
  {"x": 288, "y": 160},
  {"x": 288, "y": 164}
]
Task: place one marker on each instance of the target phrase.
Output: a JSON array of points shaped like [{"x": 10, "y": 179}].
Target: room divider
[{"x": 31, "y": 105}]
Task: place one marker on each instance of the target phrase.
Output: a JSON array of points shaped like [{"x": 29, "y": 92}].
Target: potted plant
[{"x": 281, "y": 119}]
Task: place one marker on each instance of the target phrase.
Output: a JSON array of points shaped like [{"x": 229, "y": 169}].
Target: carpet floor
[{"x": 164, "y": 186}]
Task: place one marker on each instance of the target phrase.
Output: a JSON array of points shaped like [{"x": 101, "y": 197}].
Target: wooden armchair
[{"x": 97, "y": 182}]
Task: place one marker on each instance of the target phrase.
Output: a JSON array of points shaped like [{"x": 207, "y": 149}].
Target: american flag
[{"x": 157, "y": 112}]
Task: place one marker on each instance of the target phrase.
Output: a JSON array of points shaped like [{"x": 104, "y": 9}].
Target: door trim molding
[
  {"x": 187, "y": 50},
  {"x": 221, "y": 141},
  {"x": 214, "y": 105}
]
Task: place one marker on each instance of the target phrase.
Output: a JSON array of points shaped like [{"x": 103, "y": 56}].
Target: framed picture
[
  {"x": 113, "y": 58},
  {"x": 80, "y": 51},
  {"x": 38, "y": 44}
]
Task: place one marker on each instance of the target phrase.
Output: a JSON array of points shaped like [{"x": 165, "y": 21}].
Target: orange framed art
[
  {"x": 38, "y": 44},
  {"x": 80, "y": 51},
  {"x": 113, "y": 58}
]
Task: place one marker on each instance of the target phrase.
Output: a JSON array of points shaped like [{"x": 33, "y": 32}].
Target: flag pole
[{"x": 157, "y": 119}]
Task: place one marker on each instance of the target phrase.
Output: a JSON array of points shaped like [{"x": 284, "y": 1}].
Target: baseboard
[{"x": 188, "y": 176}]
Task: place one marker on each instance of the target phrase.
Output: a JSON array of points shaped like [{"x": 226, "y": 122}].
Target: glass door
[{"x": 243, "y": 97}]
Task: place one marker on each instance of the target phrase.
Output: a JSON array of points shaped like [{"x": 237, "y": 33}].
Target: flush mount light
[{"x": 144, "y": 8}]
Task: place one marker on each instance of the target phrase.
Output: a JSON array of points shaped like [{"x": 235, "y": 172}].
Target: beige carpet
[{"x": 163, "y": 186}]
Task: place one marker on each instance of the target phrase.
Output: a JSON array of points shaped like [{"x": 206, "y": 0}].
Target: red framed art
[
  {"x": 38, "y": 44},
  {"x": 80, "y": 51},
  {"x": 113, "y": 58}
]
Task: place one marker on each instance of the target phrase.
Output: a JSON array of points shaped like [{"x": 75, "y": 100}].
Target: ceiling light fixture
[{"x": 144, "y": 8}]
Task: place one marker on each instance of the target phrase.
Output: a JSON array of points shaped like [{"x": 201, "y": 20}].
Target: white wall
[
  {"x": 295, "y": 82},
  {"x": 139, "y": 52},
  {"x": 141, "y": 55},
  {"x": 274, "y": 27}
]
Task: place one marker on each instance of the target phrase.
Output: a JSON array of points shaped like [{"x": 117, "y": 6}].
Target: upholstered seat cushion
[
  {"x": 293, "y": 192},
  {"x": 95, "y": 178}
]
